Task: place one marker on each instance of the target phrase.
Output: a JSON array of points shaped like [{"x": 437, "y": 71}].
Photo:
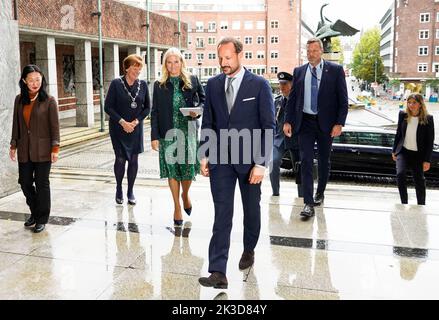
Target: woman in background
[{"x": 413, "y": 146}]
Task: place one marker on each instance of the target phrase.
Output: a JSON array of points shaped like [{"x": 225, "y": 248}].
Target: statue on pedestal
[{"x": 326, "y": 30}]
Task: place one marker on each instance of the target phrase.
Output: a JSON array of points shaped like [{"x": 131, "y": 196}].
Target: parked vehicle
[{"x": 367, "y": 151}]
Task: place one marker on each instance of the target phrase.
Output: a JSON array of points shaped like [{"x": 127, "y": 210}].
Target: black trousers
[
  {"x": 408, "y": 159},
  {"x": 38, "y": 195}
]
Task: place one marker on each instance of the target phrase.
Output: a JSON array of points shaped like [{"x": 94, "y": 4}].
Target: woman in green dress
[{"x": 174, "y": 135}]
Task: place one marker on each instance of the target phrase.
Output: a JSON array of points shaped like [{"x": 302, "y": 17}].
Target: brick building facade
[
  {"x": 270, "y": 31},
  {"x": 62, "y": 38},
  {"x": 416, "y": 42}
]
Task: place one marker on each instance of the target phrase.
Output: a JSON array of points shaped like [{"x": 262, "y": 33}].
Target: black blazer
[
  {"x": 161, "y": 113},
  {"x": 424, "y": 137}
]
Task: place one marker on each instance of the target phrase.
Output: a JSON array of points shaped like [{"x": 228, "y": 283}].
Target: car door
[
  {"x": 374, "y": 157},
  {"x": 344, "y": 157}
]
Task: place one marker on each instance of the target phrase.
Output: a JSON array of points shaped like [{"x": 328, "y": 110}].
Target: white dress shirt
[{"x": 235, "y": 83}]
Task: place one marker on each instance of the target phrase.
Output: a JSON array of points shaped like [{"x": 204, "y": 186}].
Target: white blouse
[{"x": 410, "y": 134}]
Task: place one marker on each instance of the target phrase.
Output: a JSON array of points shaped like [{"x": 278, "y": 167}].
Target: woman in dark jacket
[
  {"x": 127, "y": 103},
  {"x": 35, "y": 139},
  {"x": 170, "y": 128},
  {"x": 413, "y": 146}
]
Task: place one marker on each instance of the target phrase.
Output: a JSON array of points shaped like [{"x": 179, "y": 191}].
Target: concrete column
[
  {"x": 83, "y": 84},
  {"x": 134, "y": 50},
  {"x": 10, "y": 68},
  {"x": 111, "y": 64},
  {"x": 45, "y": 58},
  {"x": 155, "y": 67}
]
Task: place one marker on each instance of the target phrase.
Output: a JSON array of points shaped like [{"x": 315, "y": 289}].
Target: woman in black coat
[
  {"x": 127, "y": 103},
  {"x": 169, "y": 127},
  {"x": 413, "y": 146}
]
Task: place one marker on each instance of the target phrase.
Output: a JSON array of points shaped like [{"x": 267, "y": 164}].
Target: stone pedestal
[
  {"x": 10, "y": 69},
  {"x": 84, "y": 84}
]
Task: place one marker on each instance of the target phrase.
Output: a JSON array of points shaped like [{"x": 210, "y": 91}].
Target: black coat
[
  {"x": 424, "y": 137},
  {"x": 117, "y": 106},
  {"x": 162, "y": 105}
]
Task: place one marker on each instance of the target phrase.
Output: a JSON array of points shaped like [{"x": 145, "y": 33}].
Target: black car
[{"x": 367, "y": 151}]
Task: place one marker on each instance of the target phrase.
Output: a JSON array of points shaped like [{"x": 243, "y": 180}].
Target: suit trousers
[
  {"x": 38, "y": 195},
  {"x": 222, "y": 184},
  {"x": 408, "y": 159},
  {"x": 310, "y": 133}
]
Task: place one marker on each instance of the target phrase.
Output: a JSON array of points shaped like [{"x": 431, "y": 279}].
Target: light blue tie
[{"x": 314, "y": 90}]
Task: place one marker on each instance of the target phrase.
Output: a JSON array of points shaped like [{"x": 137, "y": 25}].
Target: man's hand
[
  {"x": 256, "y": 175},
  {"x": 13, "y": 154},
  {"x": 193, "y": 114},
  {"x": 426, "y": 166},
  {"x": 288, "y": 129},
  {"x": 155, "y": 145},
  {"x": 134, "y": 123},
  {"x": 393, "y": 156},
  {"x": 54, "y": 157},
  {"x": 204, "y": 167},
  {"x": 336, "y": 130}
]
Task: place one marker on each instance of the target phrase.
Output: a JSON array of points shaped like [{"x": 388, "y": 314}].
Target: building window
[
  {"x": 200, "y": 56},
  {"x": 248, "y": 25},
  {"x": 260, "y": 54},
  {"x": 437, "y": 16},
  {"x": 422, "y": 67},
  {"x": 189, "y": 40},
  {"x": 273, "y": 69},
  {"x": 248, "y": 55},
  {"x": 211, "y": 40},
  {"x": 274, "y": 39},
  {"x": 248, "y": 40},
  {"x": 199, "y": 26},
  {"x": 274, "y": 54},
  {"x": 397, "y": 3},
  {"x": 435, "y": 67},
  {"x": 188, "y": 55},
  {"x": 224, "y": 25},
  {"x": 437, "y": 33},
  {"x": 396, "y": 37},
  {"x": 396, "y": 52},
  {"x": 260, "y": 25},
  {"x": 437, "y": 51},
  {"x": 423, "y": 51},
  {"x": 424, "y": 17},
  {"x": 261, "y": 40},
  {"x": 397, "y": 21},
  {"x": 424, "y": 34},
  {"x": 236, "y": 25},
  {"x": 212, "y": 26},
  {"x": 212, "y": 56},
  {"x": 274, "y": 24},
  {"x": 200, "y": 43}
]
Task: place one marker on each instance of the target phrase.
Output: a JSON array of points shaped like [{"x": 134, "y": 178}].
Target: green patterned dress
[{"x": 178, "y": 155}]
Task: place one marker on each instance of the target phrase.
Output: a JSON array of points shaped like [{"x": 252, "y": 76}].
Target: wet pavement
[{"x": 362, "y": 244}]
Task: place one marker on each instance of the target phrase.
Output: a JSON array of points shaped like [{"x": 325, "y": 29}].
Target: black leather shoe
[
  {"x": 132, "y": 200},
  {"x": 119, "y": 196},
  {"x": 188, "y": 211},
  {"x": 247, "y": 260},
  {"x": 308, "y": 211},
  {"x": 39, "y": 227},
  {"x": 30, "y": 222},
  {"x": 318, "y": 199},
  {"x": 216, "y": 280}
]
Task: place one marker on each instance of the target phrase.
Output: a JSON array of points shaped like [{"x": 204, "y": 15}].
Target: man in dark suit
[
  {"x": 282, "y": 143},
  {"x": 316, "y": 111},
  {"x": 238, "y": 119}
]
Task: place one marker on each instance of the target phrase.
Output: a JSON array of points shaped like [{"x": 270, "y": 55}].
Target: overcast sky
[{"x": 357, "y": 13}]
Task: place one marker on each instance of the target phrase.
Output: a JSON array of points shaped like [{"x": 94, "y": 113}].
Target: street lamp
[{"x": 199, "y": 69}]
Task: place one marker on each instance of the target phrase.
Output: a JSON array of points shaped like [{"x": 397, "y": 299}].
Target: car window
[
  {"x": 370, "y": 138},
  {"x": 347, "y": 137},
  {"x": 388, "y": 139}
]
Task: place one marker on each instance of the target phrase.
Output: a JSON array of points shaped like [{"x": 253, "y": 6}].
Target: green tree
[
  {"x": 367, "y": 63},
  {"x": 336, "y": 47}
]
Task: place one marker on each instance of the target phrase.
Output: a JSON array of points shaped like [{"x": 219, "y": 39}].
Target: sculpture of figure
[{"x": 326, "y": 30}]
